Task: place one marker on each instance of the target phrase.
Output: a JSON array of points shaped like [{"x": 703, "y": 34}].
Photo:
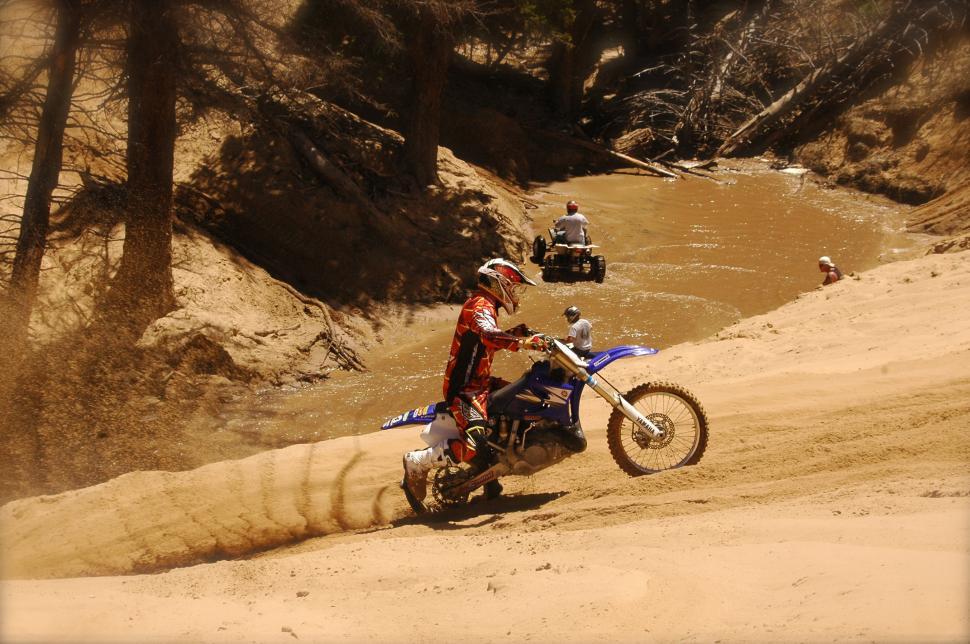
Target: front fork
[
  {"x": 633, "y": 414},
  {"x": 613, "y": 397}
]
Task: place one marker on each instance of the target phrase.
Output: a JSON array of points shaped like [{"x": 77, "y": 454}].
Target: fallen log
[
  {"x": 642, "y": 164},
  {"x": 692, "y": 167},
  {"x": 798, "y": 94},
  {"x": 278, "y": 115},
  {"x": 705, "y": 164},
  {"x": 589, "y": 145}
]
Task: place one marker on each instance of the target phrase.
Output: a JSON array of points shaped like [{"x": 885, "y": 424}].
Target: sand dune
[{"x": 833, "y": 503}]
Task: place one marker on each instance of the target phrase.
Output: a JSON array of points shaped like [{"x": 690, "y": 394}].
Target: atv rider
[
  {"x": 468, "y": 376},
  {"x": 574, "y": 225}
]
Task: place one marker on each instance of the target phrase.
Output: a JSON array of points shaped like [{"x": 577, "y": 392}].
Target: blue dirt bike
[{"x": 534, "y": 423}]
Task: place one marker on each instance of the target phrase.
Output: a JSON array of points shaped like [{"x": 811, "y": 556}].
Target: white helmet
[
  {"x": 502, "y": 278},
  {"x": 825, "y": 259}
]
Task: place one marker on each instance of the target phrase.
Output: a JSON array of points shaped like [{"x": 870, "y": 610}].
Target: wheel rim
[{"x": 682, "y": 432}]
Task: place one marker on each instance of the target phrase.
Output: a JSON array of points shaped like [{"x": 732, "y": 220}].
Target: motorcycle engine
[{"x": 538, "y": 456}]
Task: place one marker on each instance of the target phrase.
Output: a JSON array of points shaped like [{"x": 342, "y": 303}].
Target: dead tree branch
[{"x": 899, "y": 35}]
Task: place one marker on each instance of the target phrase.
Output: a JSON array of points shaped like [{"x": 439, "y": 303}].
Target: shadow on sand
[{"x": 485, "y": 511}]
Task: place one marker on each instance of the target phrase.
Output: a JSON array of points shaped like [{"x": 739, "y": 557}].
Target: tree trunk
[
  {"x": 561, "y": 64},
  {"x": 639, "y": 163},
  {"x": 572, "y": 61},
  {"x": 43, "y": 179},
  {"x": 142, "y": 289},
  {"x": 754, "y": 12},
  {"x": 662, "y": 28},
  {"x": 630, "y": 17},
  {"x": 18, "y": 435},
  {"x": 429, "y": 51}
]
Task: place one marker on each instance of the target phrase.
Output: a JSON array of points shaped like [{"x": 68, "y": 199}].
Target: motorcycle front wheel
[{"x": 671, "y": 408}]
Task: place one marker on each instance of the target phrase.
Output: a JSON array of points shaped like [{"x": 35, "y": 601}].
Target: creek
[{"x": 685, "y": 258}]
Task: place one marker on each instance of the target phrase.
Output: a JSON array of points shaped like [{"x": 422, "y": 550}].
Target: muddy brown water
[{"x": 685, "y": 258}]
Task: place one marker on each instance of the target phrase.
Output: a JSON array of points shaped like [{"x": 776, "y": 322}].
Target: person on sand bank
[
  {"x": 468, "y": 378},
  {"x": 580, "y": 333},
  {"x": 832, "y": 272},
  {"x": 573, "y": 225}
]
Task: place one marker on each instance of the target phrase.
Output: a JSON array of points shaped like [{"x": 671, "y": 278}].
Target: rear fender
[
  {"x": 440, "y": 430},
  {"x": 419, "y": 416},
  {"x": 602, "y": 359}
]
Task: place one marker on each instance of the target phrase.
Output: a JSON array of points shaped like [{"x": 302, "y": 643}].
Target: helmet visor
[{"x": 514, "y": 291}]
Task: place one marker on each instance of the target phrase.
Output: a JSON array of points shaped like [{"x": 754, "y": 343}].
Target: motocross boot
[
  {"x": 415, "y": 481},
  {"x": 475, "y": 437},
  {"x": 493, "y": 490},
  {"x": 483, "y": 459},
  {"x": 417, "y": 464}
]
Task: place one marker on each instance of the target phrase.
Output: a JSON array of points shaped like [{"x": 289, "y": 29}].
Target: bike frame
[{"x": 583, "y": 372}]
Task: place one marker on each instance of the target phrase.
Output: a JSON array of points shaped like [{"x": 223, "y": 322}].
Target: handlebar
[
  {"x": 552, "y": 345},
  {"x": 522, "y": 331},
  {"x": 537, "y": 342}
]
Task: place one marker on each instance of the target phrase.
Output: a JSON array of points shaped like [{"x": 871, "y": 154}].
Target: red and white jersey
[{"x": 477, "y": 338}]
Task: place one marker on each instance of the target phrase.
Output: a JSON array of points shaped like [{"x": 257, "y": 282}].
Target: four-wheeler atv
[{"x": 567, "y": 262}]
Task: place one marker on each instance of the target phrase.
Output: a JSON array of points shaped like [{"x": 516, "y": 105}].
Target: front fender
[{"x": 600, "y": 360}]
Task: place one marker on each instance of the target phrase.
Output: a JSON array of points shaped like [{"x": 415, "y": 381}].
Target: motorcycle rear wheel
[
  {"x": 443, "y": 481},
  {"x": 599, "y": 268},
  {"x": 673, "y": 409}
]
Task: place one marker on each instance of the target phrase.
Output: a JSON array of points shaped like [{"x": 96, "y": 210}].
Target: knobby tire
[{"x": 618, "y": 423}]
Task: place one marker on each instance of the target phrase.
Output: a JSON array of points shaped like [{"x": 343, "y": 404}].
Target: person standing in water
[
  {"x": 832, "y": 272},
  {"x": 580, "y": 333}
]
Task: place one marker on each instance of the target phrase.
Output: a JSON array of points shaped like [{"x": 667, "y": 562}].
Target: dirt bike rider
[
  {"x": 467, "y": 381},
  {"x": 574, "y": 225}
]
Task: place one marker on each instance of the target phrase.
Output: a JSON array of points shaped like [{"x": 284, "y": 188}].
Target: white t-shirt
[
  {"x": 580, "y": 331},
  {"x": 574, "y": 225}
]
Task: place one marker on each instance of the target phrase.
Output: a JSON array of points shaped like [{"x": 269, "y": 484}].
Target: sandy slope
[{"x": 833, "y": 503}]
